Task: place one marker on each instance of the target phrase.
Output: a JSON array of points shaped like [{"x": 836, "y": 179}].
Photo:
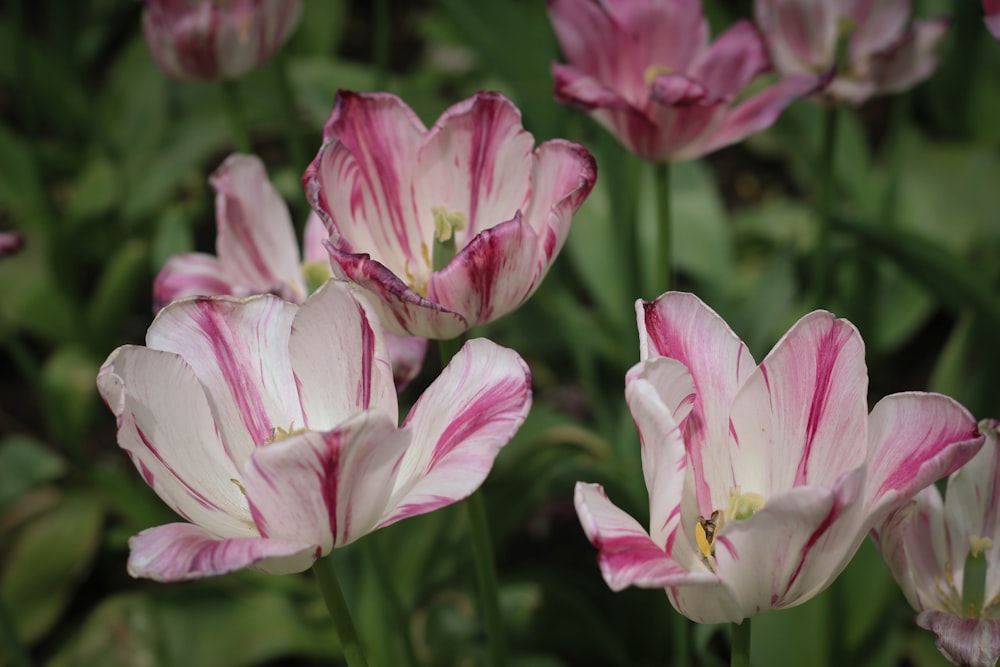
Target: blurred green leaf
[
  {"x": 96, "y": 192},
  {"x": 45, "y": 562},
  {"x": 125, "y": 276},
  {"x": 70, "y": 390},
  {"x": 22, "y": 191},
  {"x": 317, "y": 80},
  {"x": 24, "y": 464},
  {"x": 135, "y": 102}
]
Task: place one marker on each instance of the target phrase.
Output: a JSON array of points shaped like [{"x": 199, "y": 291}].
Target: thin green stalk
[
  {"x": 290, "y": 115},
  {"x": 682, "y": 641},
  {"x": 620, "y": 171},
  {"x": 664, "y": 264},
  {"x": 374, "y": 555},
  {"x": 8, "y": 634},
  {"x": 821, "y": 258},
  {"x": 382, "y": 36},
  {"x": 489, "y": 590},
  {"x": 740, "y": 634},
  {"x": 231, "y": 99},
  {"x": 326, "y": 579}
]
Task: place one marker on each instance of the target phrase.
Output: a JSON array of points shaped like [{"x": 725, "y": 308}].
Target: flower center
[
  {"x": 278, "y": 433},
  {"x": 654, "y": 71},
  {"x": 742, "y": 506},
  {"x": 446, "y": 223},
  {"x": 974, "y": 577}
]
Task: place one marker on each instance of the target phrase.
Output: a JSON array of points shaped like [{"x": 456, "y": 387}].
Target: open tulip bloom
[
  {"x": 646, "y": 71},
  {"x": 763, "y": 479},
  {"x": 991, "y": 9},
  {"x": 945, "y": 555},
  {"x": 451, "y": 227},
  {"x": 195, "y": 40},
  {"x": 881, "y": 53},
  {"x": 258, "y": 254},
  {"x": 272, "y": 429}
]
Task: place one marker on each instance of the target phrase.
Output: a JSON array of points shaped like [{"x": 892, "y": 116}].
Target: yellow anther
[
  {"x": 278, "y": 433},
  {"x": 654, "y": 71},
  {"x": 706, "y": 530},
  {"x": 743, "y": 505},
  {"x": 239, "y": 484},
  {"x": 447, "y": 222},
  {"x": 977, "y": 545}
]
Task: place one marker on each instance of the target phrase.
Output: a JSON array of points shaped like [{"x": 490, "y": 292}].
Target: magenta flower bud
[{"x": 208, "y": 40}]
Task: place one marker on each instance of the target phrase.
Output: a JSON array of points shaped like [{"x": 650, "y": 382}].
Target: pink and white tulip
[
  {"x": 208, "y": 40},
  {"x": 784, "y": 451},
  {"x": 882, "y": 54},
  {"x": 258, "y": 254},
  {"x": 11, "y": 243},
  {"x": 271, "y": 428},
  {"x": 928, "y": 543},
  {"x": 645, "y": 70},
  {"x": 388, "y": 190},
  {"x": 991, "y": 9}
]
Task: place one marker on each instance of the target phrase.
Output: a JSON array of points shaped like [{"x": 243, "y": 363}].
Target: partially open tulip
[
  {"x": 991, "y": 9},
  {"x": 258, "y": 254},
  {"x": 645, "y": 70},
  {"x": 763, "y": 479},
  {"x": 872, "y": 42},
  {"x": 208, "y": 40},
  {"x": 450, "y": 227},
  {"x": 945, "y": 555},
  {"x": 271, "y": 428}
]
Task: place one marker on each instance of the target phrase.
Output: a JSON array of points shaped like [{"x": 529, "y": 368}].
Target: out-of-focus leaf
[
  {"x": 173, "y": 237},
  {"x": 798, "y": 636},
  {"x": 196, "y": 628},
  {"x": 70, "y": 393},
  {"x": 955, "y": 284},
  {"x": 96, "y": 192},
  {"x": 135, "y": 104},
  {"x": 45, "y": 562},
  {"x": 21, "y": 188},
  {"x": 763, "y": 313},
  {"x": 317, "y": 80},
  {"x": 321, "y": 28},
  {"x": 124, "y": 277},
  {"x": 24, "y": 464},
  {"x": 901, "y": 307}
]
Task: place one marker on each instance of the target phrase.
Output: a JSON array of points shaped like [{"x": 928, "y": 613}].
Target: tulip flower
[
  {"x": 868, "y": 40},
  {"x": 199, "y": 40},
  {"x": 992, "y": 19},
  {"x": 450, "y": 227},
  {"x": 258, "y": 254},
  {"x": 11, "y": 243},
  {"x": 645, "y": 70},
  {"x": 763, "y": 479},
  {"x": 945, "y": 555},
  {"x": 271, "y": 428}
]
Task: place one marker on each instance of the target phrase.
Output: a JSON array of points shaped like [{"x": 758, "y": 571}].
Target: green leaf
[
  {"x": 125, "y": 276},
  {"x": 24, "y": 464},
  {"x": 46, "y": 561},
  {"x": 68, "y": 384}
]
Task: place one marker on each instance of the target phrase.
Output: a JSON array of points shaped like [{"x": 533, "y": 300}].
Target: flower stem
[
  {"x": 664, "y": 231},
  {"x": 400, "y": 618},
  {"x": 821, "y": 258},
  {"x": 682, "y": 641},
  {"x": 486, "y": 574},
  {"x": 326, "y": 579},
  {"x": 740, "y": 634},
  {"x": 381, "y": 43},
  {"x": 290, "y": 115},
  {"x": 235, "y": 112}
]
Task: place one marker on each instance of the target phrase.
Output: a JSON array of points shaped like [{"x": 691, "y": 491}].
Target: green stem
[
  {"x": 381, "y": 46},
  {"x": 326, "y": 579},
  {"x": 664, "y": 232},
  {"x": 448, "y": 349},
  {"x": 290, "y": 115},
  {"x": 374, "y": 555},
  {"x": 821, "y": 258},
  {"x": 486, "y": 574},
  {"x": 8, "y": 634},
  {"x": 740, "y": 633},
  {"x": 682, "y": 641},
  {"x": 231, "y": 99}
]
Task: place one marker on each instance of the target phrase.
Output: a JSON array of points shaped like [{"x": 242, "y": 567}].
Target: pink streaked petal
[
  {"x": 313, "y": 248},
  {"x": 562, "y": 176},
  {"x": 256, "y": 240},
  {"x": 400, "y": 309},
  {"x": 992, "y": 18},
  {"x": 790, "y": 549},
  {"x": 801, "y": 417},
  {"x": 182, "y": 552},
  {"x": 628, "y": 557},
  {"x": 913, "y": 59},
  {"x": 878, "y": 24},
  {"x": 407, "y": 356},
  {"x": 326, "y": 488},
  {"x": 680, "y": 326},
  {"x": 189, "y": 274},
  {"x": 667, "y": 34},
  {"x": 682, "y": 131},
  {"x": 677, "y": 89},
  {"x": 361, "y": 180},
  {"x": 459, "y": 424},
  {"x": 801, "y": 34},
  {"x": 491, "y": 276},
  {"x": 660, "y": 393},
  {"x": 238, "y": 349},
  {"x": 339, "y": 358},
  {"x": 964, "y": 641},
  {"x": 760, "y": 111},
  {"x": 584, "y": 91},
  {"x": 476, "y": 161},
  {"x": 732, "y": 61},
  {"x": 913, "y": 440},
  {"x": 166, "y": 426}
]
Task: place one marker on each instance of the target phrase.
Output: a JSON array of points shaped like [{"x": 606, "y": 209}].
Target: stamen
[
  {"x": 743, "y": 505},
  {"x": 705, "y": 531},
  {"x": 654, "y": 71}
]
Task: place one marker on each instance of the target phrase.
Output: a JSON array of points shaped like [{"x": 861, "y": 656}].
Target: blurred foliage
[{"x": 104, "y": 169}]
